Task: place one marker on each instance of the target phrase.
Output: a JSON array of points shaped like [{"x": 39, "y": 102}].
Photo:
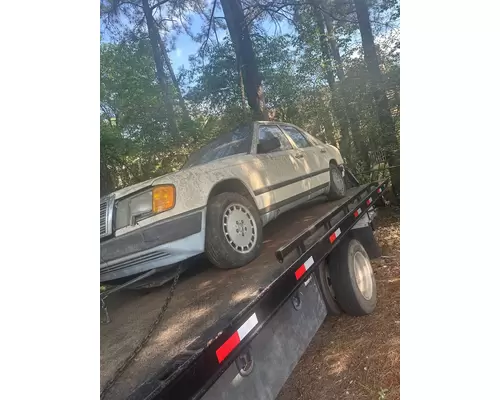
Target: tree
[
  {"x": 156, "y": 47},
  {"x": 388, "y": 129},
  {"x": 138, "y": 13},
  {"x": 245, "y": 57},
  {"x": 349, "y": 108},
  {"x": 136, "y": 142},
  {"x": 330, "y": 77},
  {"x": 175, "y": 82},
  {"x": 317, "y": 77}
]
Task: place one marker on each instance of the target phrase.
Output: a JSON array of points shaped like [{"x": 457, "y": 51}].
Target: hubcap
[
  {"x": 363, "y": 274},
  {"x": 239, "y": 228}
]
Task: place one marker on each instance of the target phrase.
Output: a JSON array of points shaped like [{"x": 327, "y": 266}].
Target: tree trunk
[
  {"x": 352, "y": 116},
  {"x": 389, "y": 139},
  {"x": 240, "y": 36},
  {"x": 156, "y": 46},
  {"x": 175, "y": 82},
  {"x": 241, "y": 83},
  {"x": 330, "y": 77}
]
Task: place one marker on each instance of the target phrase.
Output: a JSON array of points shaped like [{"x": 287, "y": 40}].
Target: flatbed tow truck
[{"x": 237, "y": 334}]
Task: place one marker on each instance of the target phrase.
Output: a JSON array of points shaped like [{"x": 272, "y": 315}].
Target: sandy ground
[{"x": 357, "y": 358}]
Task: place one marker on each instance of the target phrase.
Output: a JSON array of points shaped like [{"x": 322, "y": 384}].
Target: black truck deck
[{"x": 204, "y": 302}]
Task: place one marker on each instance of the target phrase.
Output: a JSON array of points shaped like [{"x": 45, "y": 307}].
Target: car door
[
  {"x": 316, "y": 163},
  {"x": 279, "y": 184}
]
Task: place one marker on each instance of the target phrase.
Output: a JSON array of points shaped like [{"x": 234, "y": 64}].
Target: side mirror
[{"x": 268, "y": 145}]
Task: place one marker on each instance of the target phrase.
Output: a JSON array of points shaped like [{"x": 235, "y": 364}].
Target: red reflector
[
  {"x": 369, "y": 201},
  {"x": 379, "y": 190},
  {"x": 357, "y": 212},
  {"x": 228, "y": 346},
  {"x": 301, "y": 271},
  {"x": 335, "y": 235}
]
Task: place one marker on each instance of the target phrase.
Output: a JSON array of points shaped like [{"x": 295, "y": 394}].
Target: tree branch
[
  {"x": 276, "y": 8},
  {"x": 209, "y": 27},
  {"x": 160, "y": 3}
]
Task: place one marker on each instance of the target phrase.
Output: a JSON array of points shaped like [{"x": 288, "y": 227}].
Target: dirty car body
[{"x": 162, "y": 221}]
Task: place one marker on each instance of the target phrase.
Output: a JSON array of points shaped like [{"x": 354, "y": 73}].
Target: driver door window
[
  {"x": 269, "y": 131},
  {"x": 279, "y": 172},
  {"x": 298, "y": 138},
  {"x": 316, "y": 162}
]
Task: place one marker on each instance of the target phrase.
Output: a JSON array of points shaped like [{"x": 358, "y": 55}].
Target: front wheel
[{"x": 234, "y": 231}]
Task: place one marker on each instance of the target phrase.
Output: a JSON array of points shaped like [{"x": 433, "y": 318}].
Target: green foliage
[{"x": 136, "y": 138}]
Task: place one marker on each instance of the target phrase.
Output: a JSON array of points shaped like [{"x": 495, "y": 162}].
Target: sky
[{"x": 185, "y": 46}]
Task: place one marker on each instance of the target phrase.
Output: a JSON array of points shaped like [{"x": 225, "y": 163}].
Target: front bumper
[{"x": 157, "y": 245}]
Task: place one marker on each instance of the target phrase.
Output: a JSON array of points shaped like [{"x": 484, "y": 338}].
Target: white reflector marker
[
  {"x": 335, "y": 235},
  {"x": 231, "y": 343},
  {"x": 304, "y": 267}
]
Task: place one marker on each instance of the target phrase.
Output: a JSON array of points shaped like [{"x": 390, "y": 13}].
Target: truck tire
[
  {"x": 354, "y": 282},
  {"x": 337, "y": 184},
  {"x": 233, "y": 231},
  {"x": 325, "y": 283}
]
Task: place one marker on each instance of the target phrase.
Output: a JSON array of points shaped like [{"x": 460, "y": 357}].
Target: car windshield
[{"x": 237, "y": 141}]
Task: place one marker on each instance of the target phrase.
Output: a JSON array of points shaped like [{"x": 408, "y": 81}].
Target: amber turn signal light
[{"x": 163, "y": 198}]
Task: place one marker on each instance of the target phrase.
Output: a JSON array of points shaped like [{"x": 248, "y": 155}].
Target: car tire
[
  {"x": 233, "y": 231},
  {"x": 354, "y": 284},
  {"x": 325, "y": 283},
  {"x": 337, "y": 185}
]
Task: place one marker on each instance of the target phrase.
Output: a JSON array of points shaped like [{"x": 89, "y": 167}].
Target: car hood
[
  {"x": 184, "y": 174},
  {"x": 118, "y": 194}
]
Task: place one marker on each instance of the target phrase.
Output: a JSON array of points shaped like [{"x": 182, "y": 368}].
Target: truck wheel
[
  {"x": 354, "y": 282},
  {"x": 233, "y": 231},
  {"x": 325, "y": 283},
  {"x": 337, "y": 185}
]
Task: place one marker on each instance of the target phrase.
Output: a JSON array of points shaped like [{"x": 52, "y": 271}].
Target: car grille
[{"x": 104, "y": 220}]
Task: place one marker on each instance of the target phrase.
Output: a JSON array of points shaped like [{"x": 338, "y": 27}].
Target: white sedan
[{"x": 218, "y": 202}]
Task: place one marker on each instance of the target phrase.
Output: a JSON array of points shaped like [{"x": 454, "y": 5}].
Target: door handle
[
  {"x": 298, "y": 155},
  {"x": 323, "y": 151}
]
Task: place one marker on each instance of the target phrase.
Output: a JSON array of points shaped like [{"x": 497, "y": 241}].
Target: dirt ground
[{"x": 357, "y": 358}]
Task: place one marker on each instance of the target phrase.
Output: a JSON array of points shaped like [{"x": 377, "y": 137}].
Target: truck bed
[{"x": 205, "y": 299}]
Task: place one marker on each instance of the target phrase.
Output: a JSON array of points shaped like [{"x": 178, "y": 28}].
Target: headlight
[{"x": 131, "y": 210}]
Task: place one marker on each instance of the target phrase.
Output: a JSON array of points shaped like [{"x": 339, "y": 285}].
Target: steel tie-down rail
[{"x": 192, "y": 379}]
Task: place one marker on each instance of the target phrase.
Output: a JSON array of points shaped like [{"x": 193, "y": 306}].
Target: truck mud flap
[{"x": 363, "y": 232}]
